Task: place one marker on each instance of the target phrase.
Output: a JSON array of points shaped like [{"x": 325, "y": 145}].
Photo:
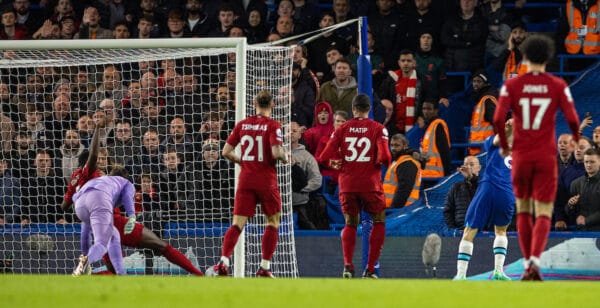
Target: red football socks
[
  {"x": 230, "y": 239},
  {"x": 375, "y": 244},
  {"x": 524, "y": 229},
  {"x": 348, "y": 243},
  {"x": 176, "y": 257},
  {"x": 541, "y": 229},
  {"x": 269, "y": 242}
]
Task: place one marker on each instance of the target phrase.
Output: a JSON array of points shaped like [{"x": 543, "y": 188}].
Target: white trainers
[{"x": 83, "y": 267}]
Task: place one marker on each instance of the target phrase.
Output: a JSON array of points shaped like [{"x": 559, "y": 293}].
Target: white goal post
[{"x": 194, "y": 200}]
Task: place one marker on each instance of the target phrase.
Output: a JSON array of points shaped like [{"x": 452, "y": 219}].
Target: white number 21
[
  {"x": 526, "y": 104},
  {"x": 250, "y": 142}
]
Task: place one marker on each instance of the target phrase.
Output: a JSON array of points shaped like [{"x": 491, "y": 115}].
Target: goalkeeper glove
[{"x": 129, "y": 225}]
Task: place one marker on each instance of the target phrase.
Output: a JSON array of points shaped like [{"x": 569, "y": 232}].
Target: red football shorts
[
  {"x": 373, "y": 202},
  {"x": 535, "y": 178},
  {"x": 246, "y": 200},
  {"x": 132, "y": 239}
]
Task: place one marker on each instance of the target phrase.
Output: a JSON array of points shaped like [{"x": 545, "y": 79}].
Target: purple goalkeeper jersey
[{"x": 118, "y": 188}]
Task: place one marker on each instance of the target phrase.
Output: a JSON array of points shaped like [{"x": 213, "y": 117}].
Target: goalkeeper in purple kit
[{"x": 94, "y": 205}]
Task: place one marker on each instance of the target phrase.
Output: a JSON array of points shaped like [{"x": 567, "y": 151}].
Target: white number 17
[{"x": 526, "y": 104}]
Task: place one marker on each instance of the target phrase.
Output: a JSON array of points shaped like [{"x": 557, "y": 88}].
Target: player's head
[
  {"x": 118, "y": 170},
  {"x": 538, "y": 49},
  {"x": 361, "y": 103},
  {"x": 264, "y": 99}
]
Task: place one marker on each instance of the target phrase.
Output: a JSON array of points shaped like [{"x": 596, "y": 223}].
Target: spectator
[
  {"x": 432, "y": 68},
  {"x": 61, "y": 9},
  {"x": 68, "y": 153},
  {"x": 404, "y": 88},
  {"x": 566, "y": 147},
  {"x": 402, "y": 181},
  {"x": 585, "y": 193},
  {"x": 81, "y": 88},
  {"x": 58, "y": 121},
  {"x": 576, "y": 169},
  {"x": 121, "y": 31},
  {"x": 197, "y": 22},
  {"x": 323, "y": 126},
  {"x": 287, "y": 9},
  {"x": 173, "y": 182},
  {"x": 499, "y": 20},
  {"x": 90, "y": 26},
  {"x": 483, "y": 113},
  {"x": 123, "y": 145},
  {"x": 175, "y": 24},
  {"x": 510, "y": 61},
  {"x": 464, "y": 36},
  {"x": 35, "y": 129},
  {"x": 306, "y": 75},
  {"x": 11, "y": 30},
  {"x": 226, "y": 18},
  {"x": 340, "y": 117},
  {"x": 305, "y": 169},
  {"x": 318, "y": 47},
  {"x": 7, "y": 132},
  {"x": 85, "y": 129},
  {"x": 376, "y": 60},
  {"x": 152, "y": 118},
  {"x": 308, "y": 12},
  {"x": 145, "y": 27},
  {"x": 236, "y": 31},
  {"x": 435, "y": 144},
  {"x": 119, "y": 12},
  {"x": 284, "y": 26},
  {"x": 461, "y": 193},
  {"x": 341, "y": 12},
  {"x": 387, "y": 26},
  {"x": 149, "y": 159},
  {"x": 67, "y": 28},
  {"x": 151, "y": 15},
  {"x": 111, "y": 88},
  {"x": 31, "y": 20},
  {"x": 303, "y": 98},
  {"x": 179, "y": 139},
  {"x": 256, "y": 29},
  {"x": 48, "y": 31},
  {"x": 10, "y": 193},
  {"x": 42, "y": 192},
  {"x": 22, "y": 156},
  {"x": 213, "y": 193},
  {"x": 148, "y": 203},
  {"x": 423, "y": 18},
  {"x": 340, "y": 91}
]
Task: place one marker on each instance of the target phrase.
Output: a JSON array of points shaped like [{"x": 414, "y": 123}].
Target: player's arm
[
  {"x": 127, "y": 197},
  {"x": 508, "y": 129},
  {"x": 500, "y": 117},
  {"x": 229, "y": 153},
  {"x": 279, "y": 153},
  {"x": 92, "y": 162},
  {"x": 332, "y": 147},
  {"x": 384, "y": 157}
]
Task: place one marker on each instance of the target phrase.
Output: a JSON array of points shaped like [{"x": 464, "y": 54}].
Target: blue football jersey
[{"x": 497, "y": 168}]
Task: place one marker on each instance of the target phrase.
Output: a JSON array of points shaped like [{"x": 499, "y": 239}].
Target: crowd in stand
[{"x": 159, "y": 115}]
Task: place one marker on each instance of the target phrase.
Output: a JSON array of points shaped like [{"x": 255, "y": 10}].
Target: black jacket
[{"x": 457, "y": 202}]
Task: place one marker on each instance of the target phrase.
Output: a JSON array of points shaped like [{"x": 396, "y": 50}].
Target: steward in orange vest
[
  {"x": 402, "y": 181},
  {"x": 584, "y": 33},
  {"x": 483, "y": 112},
  {"x": 436, "y": 143},
  {"x": 510, "y": 61}
]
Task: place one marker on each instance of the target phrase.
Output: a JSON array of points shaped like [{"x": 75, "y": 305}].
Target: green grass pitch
[{"x": 166, "y": 292}]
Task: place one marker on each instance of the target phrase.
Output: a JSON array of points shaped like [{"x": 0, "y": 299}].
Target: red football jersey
[
  {"x": 79, "y": 177},
  {"x": 363, "y": 146},
  {"x": 257, "y": 134},
  {"x": 534, "y": 99}
]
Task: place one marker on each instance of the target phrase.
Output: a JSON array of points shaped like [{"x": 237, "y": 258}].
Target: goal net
[{"x": 169, "y": 106}]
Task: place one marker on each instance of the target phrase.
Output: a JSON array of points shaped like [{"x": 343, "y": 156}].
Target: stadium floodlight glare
[{"x": 198, "y": 205}]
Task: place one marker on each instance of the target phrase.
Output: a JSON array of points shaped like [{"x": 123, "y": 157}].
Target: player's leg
[
  {"x": 152, "y": 241},
  {"x": 270, "y": 201},
  {"x": 524, "y": 226},
  {"x": 541, "y": 229},
  {"x": 114, "y": 252},
  {"x": 465, "y": 251},
  {"x": 500, "y": 248},
  {"x": 269, "y": 244},
  {"x": 376, "y": 240},
  {"x": 351, "y": 209}
]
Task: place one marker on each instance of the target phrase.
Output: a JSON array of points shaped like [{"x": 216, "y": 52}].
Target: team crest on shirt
[
  {"x": 508, "y": 162},
  {"x": 503, "y": 91},
  {"x": 279, "y": 134}
]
